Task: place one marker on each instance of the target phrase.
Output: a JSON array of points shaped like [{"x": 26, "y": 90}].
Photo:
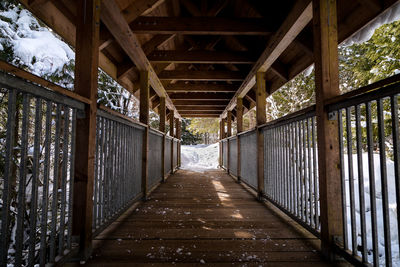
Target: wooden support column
[
  {"x": 327, "y": 86},
  {"x": 229, "y": 124},
  {"x": 86, "y": 69},
  {"x": 221, "y": 136},
  {"x": 162, "y": 111},
  {"x": 239, "y": 127},
  {"x": 178, "y": 135},
  {"x": 229, "y": 134},
  {"x": 144, "y": 118},
  {"x": 261, "y": 119},
  {"x": 171, "y": 132}
]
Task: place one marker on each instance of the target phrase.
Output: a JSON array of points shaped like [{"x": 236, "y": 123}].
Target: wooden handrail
[
  {"x": 6, "y": 67},
  {"x": 117, "y": 114}
]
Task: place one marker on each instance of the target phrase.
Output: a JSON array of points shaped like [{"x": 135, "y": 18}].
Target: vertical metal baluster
[
  {"x": 292, "y": 169},
  {"x": 22, "y": 182},
  {"x": 296, "y": 178},
  {"x": 302, "y": 169},
  {"x": 71, "y": 178},
  {"x": 55, "y": 186},
  {"x": 310, "y": 186},
  {"x": 396, "y": 156},
  {"x": 280, "y": 180},
  {"x": 371, "y": 171},
  {"x": 284, "y": 166},
  {"x": 8, "y": 159},
  {"x": 96, "y": 177},
  {"x": 61, "y": 238},
  {"x": 351, "y": 180},
  {"x": 275, "y": 165},
  {"x": 361, "y": 185},
  {"x": 46, "y": 184},
  {"x": 384, "y": 184},
  {"x": 268, "y": 162},
  {"x": 101, "y": 173},
  {"x": 305, "y": 162},
  {"x": 109, "y": 167},
  {"x": 288, "y": 173},
  {"x": 315, "y": 161},
  {"x": 343, "y": 181}
]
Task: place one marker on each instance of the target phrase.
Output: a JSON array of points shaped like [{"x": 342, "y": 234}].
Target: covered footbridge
[{"x": 105, "y": 189}]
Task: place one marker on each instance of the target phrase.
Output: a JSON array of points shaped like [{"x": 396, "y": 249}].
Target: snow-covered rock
[{"x": 200, "y": 158}]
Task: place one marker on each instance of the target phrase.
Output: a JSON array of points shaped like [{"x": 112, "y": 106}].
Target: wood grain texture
[{"x": 209, "y": 217}]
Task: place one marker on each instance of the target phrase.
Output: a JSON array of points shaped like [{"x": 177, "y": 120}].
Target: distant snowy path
[{"x": 200, "y": 157}]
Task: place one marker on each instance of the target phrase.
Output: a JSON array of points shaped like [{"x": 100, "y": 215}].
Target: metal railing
[
  {"x": 291, "y": 167},
  {"x": 224, "y": 153},
  {"x": 175, "y": 150},
  {"x": 232, "y": 142},
  {"x": 369, "y": 152},
  {"x": 248, "y": 158},
  {"x": 118, "y": 167},
  {"x": 167, "y": 157},
  {"x": 155, "y": 157},
  {"x": 37, "y": 166}
]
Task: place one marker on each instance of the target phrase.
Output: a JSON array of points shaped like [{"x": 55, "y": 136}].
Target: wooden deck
[{"x": 204, "y": 219}]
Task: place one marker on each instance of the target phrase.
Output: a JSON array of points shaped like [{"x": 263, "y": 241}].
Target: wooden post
[
  {"x": 162, "y": 111},
  {"x": 326, "y": 87},
  {"x": 229, "y": 123},
  {"x": 221, "y": 136},
  {"x": 86, "y": 72},
  {"x": 261, "y": 119},
  {"x": 144, "y": 118},
  {"x": 171, "y": 132},
  {"x": 229, "y": 134},
  {"x": 239, "y": 127},
  {"x": 178, "y": 135}
]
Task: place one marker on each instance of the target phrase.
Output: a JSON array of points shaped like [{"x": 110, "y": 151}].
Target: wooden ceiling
[{"x": 201, "y": 54}]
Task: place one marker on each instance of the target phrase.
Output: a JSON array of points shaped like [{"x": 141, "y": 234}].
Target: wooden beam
[
  {"x": 144, "y": 118},
  {"x": 201, "y": 57},
  {"x": 217, "y": 7},
  {"x": 201, "y": 96},
  {"x": 280, "y": 70},
  {"x": 229, "y": 124},
  {"x": 192, "y": 8},
  {"x": 86, "y": 74},
  {"x": 192, "y": 112},
  {"x": 198, "y": 87},
  {"x": 216, "y": 103},
  {"x": 201, "y": 26},
  {"x": 140, "y": 7},
  {"x": 239, "y": 108},
  {"x": 201, "y": 116},
  {"x": 119, "y": 28},
  {"x": 326, "y": 87},
  {"x": 162, "y": 111},
  {"x": 201, "y": 75},
  {"x": 298, "y": 18},
  {"x": 261, "y": 119},
  {"x": 155, "y": 42},
  {"x": 199, "y": 108},
  {"x": 171, "y": 124}
]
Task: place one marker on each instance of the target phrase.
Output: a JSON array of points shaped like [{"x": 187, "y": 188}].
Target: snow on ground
[{"x": 200, "y": 158}]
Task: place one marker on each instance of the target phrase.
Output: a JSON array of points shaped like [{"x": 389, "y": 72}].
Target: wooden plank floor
[{"x": 204, "y": 219}]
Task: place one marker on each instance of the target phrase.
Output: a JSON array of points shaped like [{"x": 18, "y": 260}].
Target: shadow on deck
[{"x": 204, "y": 218}]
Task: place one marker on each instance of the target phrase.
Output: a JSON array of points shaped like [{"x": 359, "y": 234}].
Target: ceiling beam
[
  {"x": 215, "y": 103},
  {"x": 201, "y": 26},
  {"x": 201, "y": 112},
  {"x": 199, "y": 108},
  {"x": 119, "y": 28},
  {"x": 202, "y": 75},
  {"x": 201, "y": 116},
  {"x": 198, "y": 87},
  {"x": 201, "y": 57},
  {"x": 298, "y": 18},
  {"x": 155, "y": 42},
  {"x": 201, "y": 96}
]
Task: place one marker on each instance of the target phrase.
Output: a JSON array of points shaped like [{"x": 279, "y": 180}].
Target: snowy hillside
[{"x": 200, "y": 157}]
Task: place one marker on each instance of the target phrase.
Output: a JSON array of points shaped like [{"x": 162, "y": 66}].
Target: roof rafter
[{"x": 298, "y": 18}]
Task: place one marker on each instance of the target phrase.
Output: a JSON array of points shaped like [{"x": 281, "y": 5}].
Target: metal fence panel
[
  {"x": 248, "y": 158},
  {"x": 291, "y": 168},
  {"x": 118, "y": 167},
  {"x": 175, "y": 153},
  {"x": 167, "y": 158},
  {"x": 155, "y": 157},
  {"x": 233, "y": 156},
  {"x": 36, "y": 180},
  {"x": 224, "y": 153}
]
